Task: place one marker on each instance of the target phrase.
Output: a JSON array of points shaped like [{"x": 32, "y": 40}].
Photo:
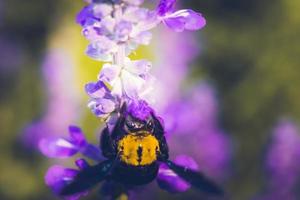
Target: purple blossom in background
[
  {"x": 283, "y": 162},
  {"x": 194, "y": 120},
  {"x": 192, "y": 114},
  {"x": 62, "y": 99}
]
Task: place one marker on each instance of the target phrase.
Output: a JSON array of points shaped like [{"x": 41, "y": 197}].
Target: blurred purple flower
[
  {"x": 64, "y": 148},
  {"x": 198, "y": 105},
  {"x": 194, "y": 120},
  {"x": 192, "y": 115},
  {"x": 283, "y": 161},
  {"x": 57, "y": 72}
]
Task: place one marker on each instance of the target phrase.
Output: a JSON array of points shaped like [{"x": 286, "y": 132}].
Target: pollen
[{"x": 138, "y": 150}]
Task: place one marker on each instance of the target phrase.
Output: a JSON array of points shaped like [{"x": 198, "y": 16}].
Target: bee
[{"x": 134, "y": 149}]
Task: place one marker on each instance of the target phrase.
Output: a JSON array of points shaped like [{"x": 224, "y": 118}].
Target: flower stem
[{"x": 119, "y": 56}]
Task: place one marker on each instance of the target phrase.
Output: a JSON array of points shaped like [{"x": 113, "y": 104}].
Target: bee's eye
[
  {"x": 150, "y": 124},
  {"x": 130, "y": 124}
]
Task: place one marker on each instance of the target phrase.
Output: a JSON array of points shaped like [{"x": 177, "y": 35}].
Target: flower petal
[
  {"x": 102, "y": 107},
  {"x": 81, "y": 163},
  {"x": 143, "y": 38},
  {"x": 101, "y": 10},
  {"x": 169, "y": 180},
  {"x": 58, "y": 177},
  {"x": 132, "y": 84},
  {"x": 96, "y": 90},
  {"x": 57, "y": 148},
  {"x": 92, "y": 152},
  {"x": 134, "y": 2},
  {"x": 77, "y": 137},
  {"x": 117, "y": 89},
  {"x": 101, "y": 49},
  {"x": 84, "y": 15},
  {"x": 138, "y": 67},
  {"x": 165, "y": 6},
  {"x": 92, "y": 32},
  {"x": 122, "y": 31},
  {"x": 185, "y": 19},
  {"x": 109, "y": 73}
]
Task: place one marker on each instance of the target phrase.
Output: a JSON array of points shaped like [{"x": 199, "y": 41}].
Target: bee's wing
[
  {"x": 87, "y": 178},
  {"x": 196, "y": 179}
]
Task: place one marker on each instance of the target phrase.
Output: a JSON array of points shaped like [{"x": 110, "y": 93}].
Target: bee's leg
[
  {"x": 196, "y": 179},
  {"x": 87, "y": 178},
  {"x": 163, "y": 154},
  {"x": 107, "y": 145},
  {"x": 158, "y": 127}
]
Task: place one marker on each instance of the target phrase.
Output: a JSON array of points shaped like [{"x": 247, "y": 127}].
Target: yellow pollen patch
[{"x": 138, "y": 149}]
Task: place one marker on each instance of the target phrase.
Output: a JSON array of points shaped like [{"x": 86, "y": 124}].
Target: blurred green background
[{"x": 249, "y": 51}]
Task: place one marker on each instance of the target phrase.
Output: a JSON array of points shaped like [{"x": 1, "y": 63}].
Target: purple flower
[
  {"x": 212, "y": 150},
  {"x": 283, "y": 161},
  {"x": 102, "y": 103},
  {"x": 199, "y": 105},
  {"x": 57, "y": 177},
  {"x": 180, "y": 20},
  {"x": 168, "y": 180},
  {"x": 58, "y": 68},
  {"x": 64, "y": 148}
]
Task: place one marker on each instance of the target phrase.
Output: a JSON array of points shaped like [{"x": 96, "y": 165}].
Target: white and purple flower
[{"x": 114, "y": 30}]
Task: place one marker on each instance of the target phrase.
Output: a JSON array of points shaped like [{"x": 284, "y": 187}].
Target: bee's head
[
  {"x": 134, "y": 125},
  {"x": 138, "y": 118}
]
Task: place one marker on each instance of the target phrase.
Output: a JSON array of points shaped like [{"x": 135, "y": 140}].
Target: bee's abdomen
[{"x": 138, "y": 150}]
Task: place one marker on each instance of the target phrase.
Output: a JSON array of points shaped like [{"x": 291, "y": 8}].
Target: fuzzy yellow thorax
[{"x": 138, "y": 149}]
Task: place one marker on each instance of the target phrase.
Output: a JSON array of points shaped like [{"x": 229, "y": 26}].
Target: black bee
[{"x": 134, "y": 149}]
